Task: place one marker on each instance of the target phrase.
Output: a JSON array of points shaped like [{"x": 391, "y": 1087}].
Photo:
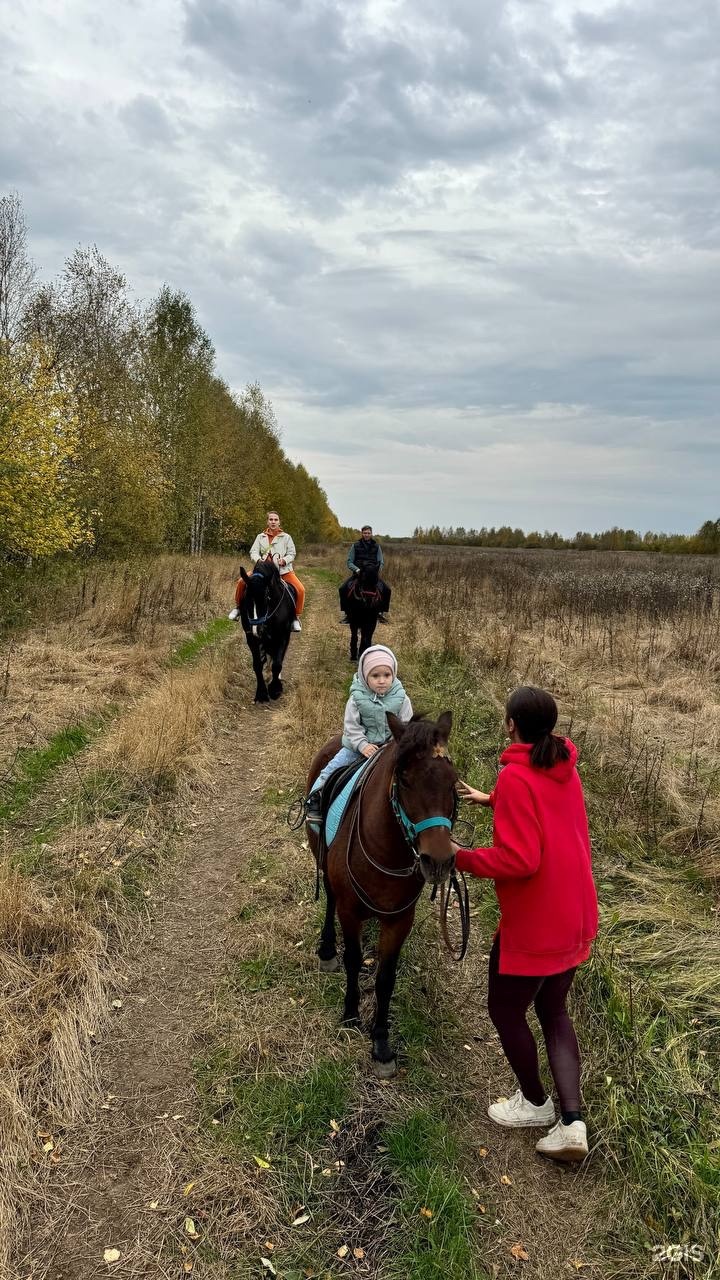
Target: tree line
[
  {"x": 117, "y": 434},
  {"x": 705, "y": 542}
]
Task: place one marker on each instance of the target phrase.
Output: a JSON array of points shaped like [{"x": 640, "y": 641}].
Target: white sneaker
[
  {"x": 296, "y": 625},
  {"x": 518, "y": 1113},
  {"x": 233, "y": 614},
  {"x": 565, "y": 1142}
]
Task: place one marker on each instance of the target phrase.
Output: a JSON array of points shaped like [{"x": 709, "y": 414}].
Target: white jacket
[{"x": 283, "y": 548}]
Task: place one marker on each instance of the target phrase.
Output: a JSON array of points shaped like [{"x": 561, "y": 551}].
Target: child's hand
[
  {"x": 370, "y": 749},
  {"x": 471, "y": 795}
]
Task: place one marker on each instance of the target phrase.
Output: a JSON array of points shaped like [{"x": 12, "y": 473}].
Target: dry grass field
[{"x": 135, "y": 772}]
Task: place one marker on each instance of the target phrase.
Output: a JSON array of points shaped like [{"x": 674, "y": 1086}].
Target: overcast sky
[{"x": 469, "y": 249}]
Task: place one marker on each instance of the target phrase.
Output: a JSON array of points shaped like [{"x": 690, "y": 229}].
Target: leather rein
[{"x": 452, "y": 889}]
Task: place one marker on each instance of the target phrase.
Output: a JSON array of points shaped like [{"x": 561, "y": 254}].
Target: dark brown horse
[
  {"x": 362, "y": 606},
  {"x": 394, "y": 838}
]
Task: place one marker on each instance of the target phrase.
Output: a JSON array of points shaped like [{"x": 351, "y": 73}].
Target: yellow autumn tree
[{"x": 38, "y": 440}]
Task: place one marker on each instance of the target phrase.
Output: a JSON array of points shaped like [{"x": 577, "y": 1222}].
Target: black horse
[
  {"x": 267, "y": 611},
  {"x": 362, "y": 606}
]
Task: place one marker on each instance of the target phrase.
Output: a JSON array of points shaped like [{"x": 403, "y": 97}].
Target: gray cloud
[{"x": 473, "y": 248}]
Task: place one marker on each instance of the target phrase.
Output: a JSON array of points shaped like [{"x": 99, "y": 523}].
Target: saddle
[
  {"x": 336, "y": 795},
  {"x": 368, "y": 595}
]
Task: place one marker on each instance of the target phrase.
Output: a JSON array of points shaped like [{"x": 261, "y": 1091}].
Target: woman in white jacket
[{"x": 276, "y": 545}]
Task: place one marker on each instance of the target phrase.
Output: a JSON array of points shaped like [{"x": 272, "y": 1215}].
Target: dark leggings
[{"x": 509, "y": 998}]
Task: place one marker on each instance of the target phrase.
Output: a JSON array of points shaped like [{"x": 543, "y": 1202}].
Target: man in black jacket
[{"x": 366, "y": 553}]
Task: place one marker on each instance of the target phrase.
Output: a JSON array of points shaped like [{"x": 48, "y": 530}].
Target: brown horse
[{"x": 394, "y": 838}]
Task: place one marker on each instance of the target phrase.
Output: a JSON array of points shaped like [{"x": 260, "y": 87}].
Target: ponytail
[
  {"x": 549, "y": 751},
  {"x": 534, "y": 713}
]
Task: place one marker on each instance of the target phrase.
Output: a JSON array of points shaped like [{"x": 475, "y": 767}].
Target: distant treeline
[
  {"x": 117, "y": 434},
  {"x": 705, "y": 542}
]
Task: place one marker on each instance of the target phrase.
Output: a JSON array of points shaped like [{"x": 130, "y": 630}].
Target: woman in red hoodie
[{"x": 540, "y": 862}]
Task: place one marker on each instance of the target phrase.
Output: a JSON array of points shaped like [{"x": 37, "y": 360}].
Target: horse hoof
[
  {"x": 330, "y": 966},
  {"x": 384, "y": 1070}
]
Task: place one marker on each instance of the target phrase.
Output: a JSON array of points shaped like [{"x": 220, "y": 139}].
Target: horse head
[
  {"x": 368, "y": 577},
  {"x": 424, "y": 795},
  {"x": 262, "y": 587}
]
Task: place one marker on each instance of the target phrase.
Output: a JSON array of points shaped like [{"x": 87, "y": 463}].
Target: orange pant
[{"x": 287, "y": 577}]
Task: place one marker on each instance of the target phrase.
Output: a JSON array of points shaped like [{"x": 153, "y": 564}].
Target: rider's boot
[
  {"x": 381, "y": 618},
  {"x": 345, "y": 619},
  {"x": 313, "y": 805},
  {"x": 296, "y": 626}
]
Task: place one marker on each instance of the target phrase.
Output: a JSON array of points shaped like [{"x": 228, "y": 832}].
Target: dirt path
[
  {"x": 121, "y": 1169},
  {"x": 122, "y": 1177}
]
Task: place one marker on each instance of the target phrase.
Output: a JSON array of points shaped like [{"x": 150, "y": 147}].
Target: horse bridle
[
  {"x": 411, "y": 830},
  {"x": 261, "y": 622}
]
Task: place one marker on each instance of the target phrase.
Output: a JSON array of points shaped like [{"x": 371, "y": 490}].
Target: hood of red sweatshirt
[{"x": 519, "y": 753}]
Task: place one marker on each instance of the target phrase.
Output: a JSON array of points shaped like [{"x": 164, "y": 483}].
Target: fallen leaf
[
  {"x": 578, "y": 1264},
  {"x": 188, "y": 1266},
  {"x": 507, "y": 1182},
  {"x": 520, "y": 1252},
  {"x": 334, "y": 1126},
  {"x": 188, "y": 1188},
  {"x": 111, "y": 1255},
  {"x": 48, "y": 1146},
  {"x": 368, "y": 963},
  {"x": 382, "y": 1149},
  {"x": 343, "y": 1251},
  {"x": 117, "y": 1004},
  {"x": 468, "y": 1047},
  {"x": 358, "y": 1253},
  {"x": 297, "y": 1222},
  {"x": 483, "y": 1152},
  {"x": 268, "y": 1266},
  {"x": 262, "y": 1164},
  {"x": 426, "y": 1213},
  {"x": 327, "y": 1173},
  {"x": 190, "y": 1229},
  {"x": 481, "y": 1207},
  {"x": 153, "y": 1204},
  {"x": 269, "y": 1246}
]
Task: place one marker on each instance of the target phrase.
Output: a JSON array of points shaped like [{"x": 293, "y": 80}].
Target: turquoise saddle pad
[{"x": 336, "y": 812}]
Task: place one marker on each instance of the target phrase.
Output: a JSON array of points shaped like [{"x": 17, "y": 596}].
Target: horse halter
[
  {"x": 411, "y": 830},
  {"x": 260, "y": 622}
]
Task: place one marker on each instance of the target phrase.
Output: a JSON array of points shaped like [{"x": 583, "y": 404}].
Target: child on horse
[
  {"x": 540, "y": 862},
  {"x": 374, "y": 691},
  {"x": 276, "y": 545}
]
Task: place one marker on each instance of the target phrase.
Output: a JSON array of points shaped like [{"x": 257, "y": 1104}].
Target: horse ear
[
  {"x": 397, "y": 726},
  {"x": 444, "y": 725},
  {"x": 243, "y": 575}
]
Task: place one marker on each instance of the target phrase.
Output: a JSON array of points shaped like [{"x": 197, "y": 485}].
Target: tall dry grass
[{"x": 78, "y": 845}]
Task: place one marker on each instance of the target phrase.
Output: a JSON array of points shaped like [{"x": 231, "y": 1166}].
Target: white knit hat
[{"x": 378, "y": 655}]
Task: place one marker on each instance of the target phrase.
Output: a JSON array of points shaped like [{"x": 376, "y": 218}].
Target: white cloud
[{"x": 416, "y": 226}]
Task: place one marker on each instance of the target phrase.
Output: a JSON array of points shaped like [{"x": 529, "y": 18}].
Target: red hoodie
[{"x": 540, "y": 862}]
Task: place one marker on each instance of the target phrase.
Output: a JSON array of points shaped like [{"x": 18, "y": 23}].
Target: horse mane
[{"x": 420, "y": 735}]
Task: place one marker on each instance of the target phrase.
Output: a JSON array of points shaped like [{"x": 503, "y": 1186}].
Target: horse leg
[
  {"x": 327, "y": 951},
  {"x": 368, "y": 627},
  {"x": 353, "y": 641},
  {"x": 275, "y": 687},
  {"x": 392, "y": 935},
  {"x": 261, "y": 693},
  {"x": 352, "y": 959}
]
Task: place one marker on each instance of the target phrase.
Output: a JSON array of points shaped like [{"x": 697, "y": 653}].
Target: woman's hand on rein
[{"x": 468, "y": 793}]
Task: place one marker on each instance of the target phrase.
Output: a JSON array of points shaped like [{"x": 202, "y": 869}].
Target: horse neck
[{"x": 378, "y": 813}]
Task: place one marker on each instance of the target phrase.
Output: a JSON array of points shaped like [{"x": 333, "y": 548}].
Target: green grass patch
[
  {"x": 440, "y": 1243},
  {"x": 272, "y": 1114},
  {"x": 34, "y": 765},
  {"x": 215, "y": 631}
]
